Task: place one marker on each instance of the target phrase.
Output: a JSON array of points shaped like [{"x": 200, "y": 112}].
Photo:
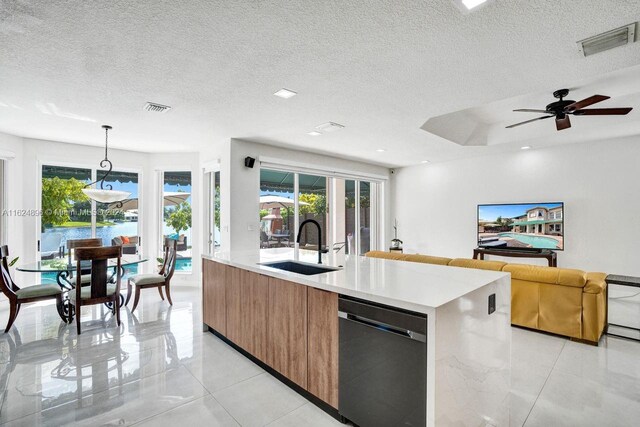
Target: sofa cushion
[
  {"x": 477, "y": 263},
  {"x": 386, "y": 255},
  {"x": 146, "y": 279},
  {"x": 38, "y": 291},
  {"x": 427, "y": 259},
  {"x": 549, "y": 275},
  {"x": 85, "y": 292},
  {"x": 596, "y": 283}
]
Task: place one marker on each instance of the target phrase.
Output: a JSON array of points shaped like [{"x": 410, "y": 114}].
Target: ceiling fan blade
[
  {"x": 528, "y": 121},
  {"x": 563, "y": 123},
  {"x": 586, "y": 102},
  {"x": 529, "y": 110},
  {"x": 603, "y": 112}
]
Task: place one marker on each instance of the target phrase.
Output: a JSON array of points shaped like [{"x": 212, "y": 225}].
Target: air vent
[
  {"x": 329, "y": 127},
  {"x": 156, "y": 108},
  {"x": 609, "y": 40}
]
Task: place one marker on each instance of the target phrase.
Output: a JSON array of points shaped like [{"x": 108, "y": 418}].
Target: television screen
[{"x": 521, "y": 226}]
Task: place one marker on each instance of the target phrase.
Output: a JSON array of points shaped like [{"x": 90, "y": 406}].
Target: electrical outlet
[{"x": 492, "y": 303}]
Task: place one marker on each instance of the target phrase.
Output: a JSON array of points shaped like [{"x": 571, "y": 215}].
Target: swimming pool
[
  {"x": 535, "y": 241},
  {"x": 182, "y": 265}
]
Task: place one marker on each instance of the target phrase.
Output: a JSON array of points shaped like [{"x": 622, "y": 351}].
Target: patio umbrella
[
  {"x": 170, "y": 199},
  {"x": 269, "y": 202}
]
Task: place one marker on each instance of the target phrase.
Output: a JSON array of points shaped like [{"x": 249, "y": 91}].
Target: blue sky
[{"x": 491, "y": 212}]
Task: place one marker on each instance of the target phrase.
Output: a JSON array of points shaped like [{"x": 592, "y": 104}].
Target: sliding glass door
[
  {"x": 312, "y": 204},
  {"x": 176, "y": 214},
  {"x": 277, "y": 209},
  {"x": 345, "y": 209}
]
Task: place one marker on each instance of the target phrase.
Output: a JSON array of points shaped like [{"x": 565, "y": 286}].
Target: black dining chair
[
  {"x": 100, "y": 290},
  {"x": 18, "y": 296},
  {"x": 159, "y": 280}
]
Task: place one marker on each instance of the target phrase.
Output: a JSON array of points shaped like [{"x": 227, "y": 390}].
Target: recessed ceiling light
[
  {"x": 470, "y": 4},
  {"x": 381, "y": 150},
  {"x": 285, "y": 93},
  {"x": 314, "y": 133},
  {"x": 425, "y": 161},
  {"x": 526, "y": 147},
  {"x": 329, "y": 127}
]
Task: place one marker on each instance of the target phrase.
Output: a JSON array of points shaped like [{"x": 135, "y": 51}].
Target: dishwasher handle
[{"x": 383, "y": 327}]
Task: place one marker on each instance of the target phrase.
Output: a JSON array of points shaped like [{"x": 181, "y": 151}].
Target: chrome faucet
[{"x": 313, "y": 221}]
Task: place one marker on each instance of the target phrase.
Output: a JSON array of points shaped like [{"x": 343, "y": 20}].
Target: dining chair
[
  {"x": 18, "y": 296},
  {"x": 82, "y": 243},
  {"x": 100, "y": 290},
  {"x": 155, "y": 280}
]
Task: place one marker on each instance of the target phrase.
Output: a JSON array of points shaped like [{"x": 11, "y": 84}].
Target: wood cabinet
[
  {"x": 290, "y": 327},
  {"x": 247, "y": 295},
  {"x": 214, "y": 313},
  {"x": 322, "y": 360},
  {"x": 287, "y": 330}
]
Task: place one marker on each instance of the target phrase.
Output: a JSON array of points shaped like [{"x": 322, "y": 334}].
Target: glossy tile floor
[{"x": 159, "y": 368}]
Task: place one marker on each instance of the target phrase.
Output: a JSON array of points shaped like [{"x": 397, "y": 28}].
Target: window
[
  {"x": 213, "y": 202},
  {"x": 66, "y": 211},
  {"x": 176, "y": 205},
  {"x": 114, "y": 221},
  {"x": 68, "y": 214}
]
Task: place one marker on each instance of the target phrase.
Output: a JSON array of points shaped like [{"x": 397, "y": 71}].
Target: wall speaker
[{"x": 249, "y": 162}]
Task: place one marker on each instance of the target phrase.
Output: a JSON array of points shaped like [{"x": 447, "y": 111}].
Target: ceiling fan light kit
[{"x": 562, "y": 108}]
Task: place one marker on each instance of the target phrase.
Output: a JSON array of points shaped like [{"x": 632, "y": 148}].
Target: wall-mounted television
[{"x": 524, "y": 226}]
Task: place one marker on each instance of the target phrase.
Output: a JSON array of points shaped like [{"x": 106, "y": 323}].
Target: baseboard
[{"x": 295, "y": 387}]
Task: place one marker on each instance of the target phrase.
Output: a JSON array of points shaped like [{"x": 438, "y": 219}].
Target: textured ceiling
[{"x": 381, "y": 68}]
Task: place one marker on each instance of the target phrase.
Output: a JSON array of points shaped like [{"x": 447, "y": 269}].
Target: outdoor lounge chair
[
  {"x": 130, "y": 248},
  {"x": 51, "y": 246}
]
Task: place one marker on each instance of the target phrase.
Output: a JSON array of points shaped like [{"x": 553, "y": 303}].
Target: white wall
[
  {"x": 23, "y": 192},
  {"x": 241, "y": 186},
  {"x": 11, "y": 151},
  {"x": 599, "y": 182}
]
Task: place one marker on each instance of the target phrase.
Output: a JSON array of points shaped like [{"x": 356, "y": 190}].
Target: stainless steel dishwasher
[{"x": 383, "y": 365}]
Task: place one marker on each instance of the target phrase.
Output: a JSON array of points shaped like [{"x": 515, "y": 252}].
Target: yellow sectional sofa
[{"x": 558, "y": 300}]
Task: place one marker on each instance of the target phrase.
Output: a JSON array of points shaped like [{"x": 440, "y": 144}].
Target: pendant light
[{"x": 106, "y": 193}]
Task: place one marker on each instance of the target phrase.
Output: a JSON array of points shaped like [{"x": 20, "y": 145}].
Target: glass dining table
[{"x": 64, "y": 272}]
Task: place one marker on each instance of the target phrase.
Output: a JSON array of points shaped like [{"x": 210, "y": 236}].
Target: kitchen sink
[{"x": 300, "y": 267}]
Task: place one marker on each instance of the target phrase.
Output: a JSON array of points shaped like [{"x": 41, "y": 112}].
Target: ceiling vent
[
  {"x": 329, "y": 127},
  {"x": 609, "y": 40},
  {"x": 156, "y": 108}
]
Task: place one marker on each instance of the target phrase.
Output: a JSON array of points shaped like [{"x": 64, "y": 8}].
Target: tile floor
[{"x": 161, "y": 369}]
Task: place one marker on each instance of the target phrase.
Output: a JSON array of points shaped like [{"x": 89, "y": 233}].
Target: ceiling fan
[{"x": 562, "y": 109}]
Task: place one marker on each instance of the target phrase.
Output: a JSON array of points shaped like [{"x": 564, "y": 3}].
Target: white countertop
[{"x": 408, "y": 285}]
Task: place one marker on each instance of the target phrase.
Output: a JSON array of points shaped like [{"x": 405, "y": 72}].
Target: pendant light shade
[
  {"x": 106, "y": 196},
  {"x": 106, "y": 193}
]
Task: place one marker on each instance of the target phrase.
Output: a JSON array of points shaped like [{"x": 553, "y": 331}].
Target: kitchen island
[{"x": 288, "y": 322}]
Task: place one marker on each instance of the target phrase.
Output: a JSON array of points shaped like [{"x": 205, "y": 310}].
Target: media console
[{"x": 550, "y": 256}]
